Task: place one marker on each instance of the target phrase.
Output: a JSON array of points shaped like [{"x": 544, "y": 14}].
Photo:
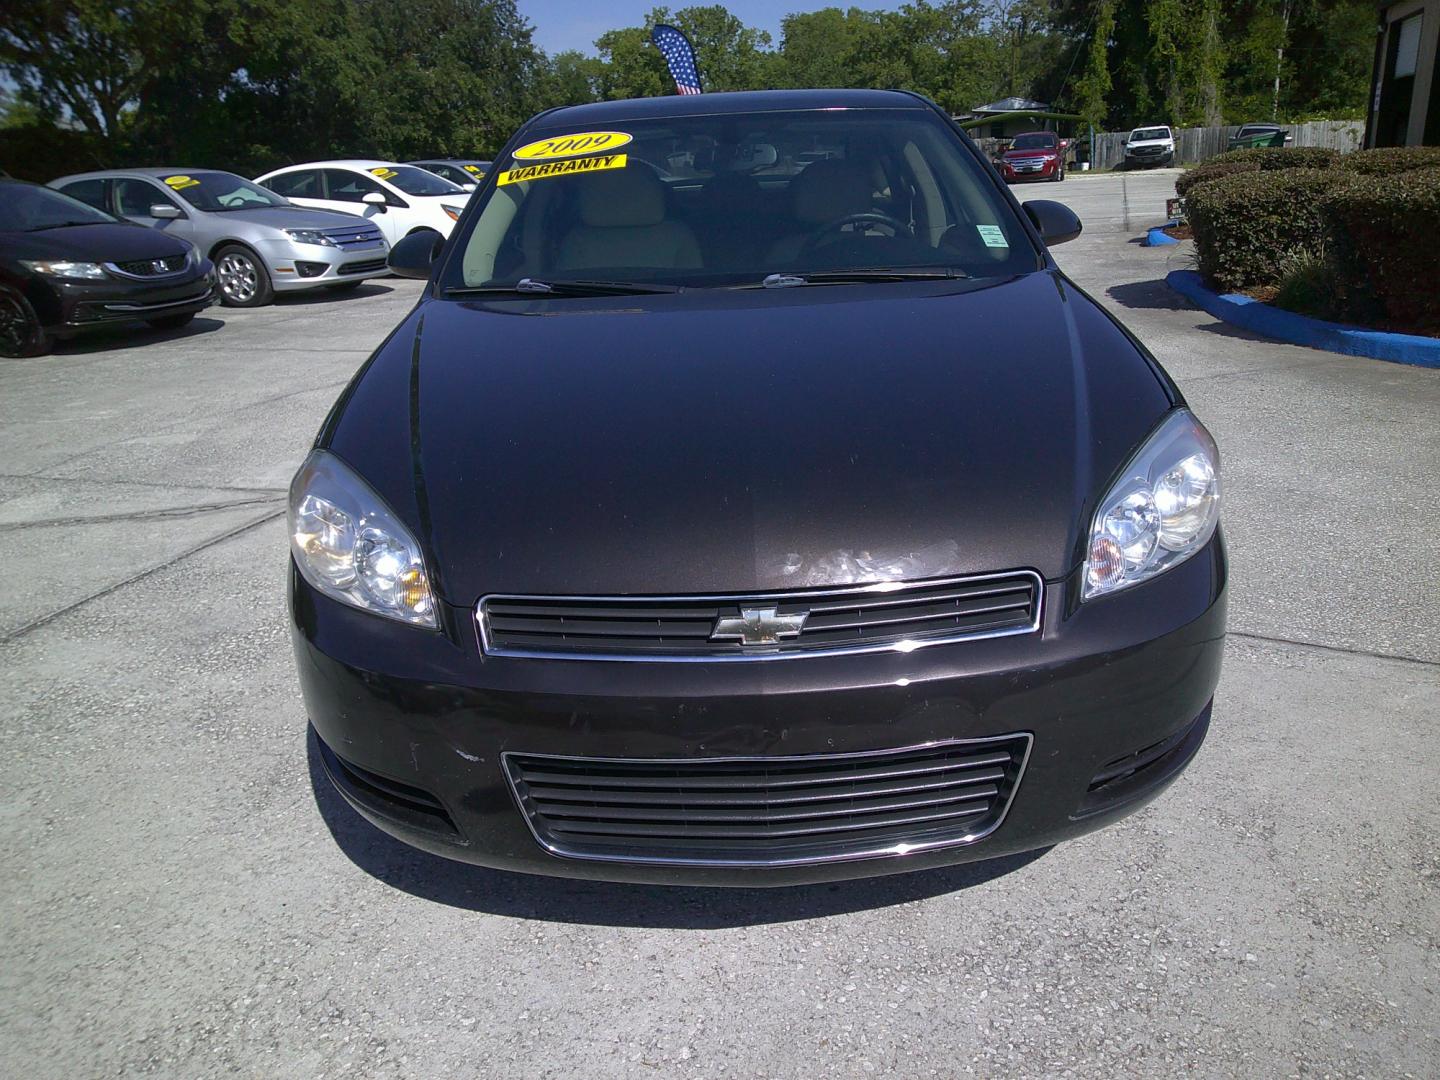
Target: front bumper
[
  {"x": 76, "y": 306},
  {"x": 1017, "y": 174},
  {"x": 1113, "y": 695},
  {"x": 1156, "y": 157},
  {"x": 295, "y": 267}
]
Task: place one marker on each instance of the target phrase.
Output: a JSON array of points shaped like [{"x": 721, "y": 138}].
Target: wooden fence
[{"x": 1199, "y": 144}]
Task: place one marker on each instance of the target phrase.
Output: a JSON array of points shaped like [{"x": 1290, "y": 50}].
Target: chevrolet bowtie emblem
[{"x": 758, "y": 626}]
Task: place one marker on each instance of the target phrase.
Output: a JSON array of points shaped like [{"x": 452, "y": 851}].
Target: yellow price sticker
[
  {"x": 561, "y": 168},
  {"x": 584, "y": 142},
  {"x": 383, "y": 173},
  {"x": 180, "y": 183}
]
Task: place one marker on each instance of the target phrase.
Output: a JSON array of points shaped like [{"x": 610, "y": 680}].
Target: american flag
[{"x": 679, "y": 56}]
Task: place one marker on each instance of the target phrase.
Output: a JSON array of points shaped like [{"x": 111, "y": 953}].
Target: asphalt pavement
[{"x": 182, "y": 898}]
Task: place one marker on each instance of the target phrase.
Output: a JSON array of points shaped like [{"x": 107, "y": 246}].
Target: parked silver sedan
[{"x": 260, "y": 242}]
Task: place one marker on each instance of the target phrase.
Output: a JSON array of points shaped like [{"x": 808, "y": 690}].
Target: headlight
[
  {"x": 453, "y": 212},
  {"x": 1162, "y": 510},
  {"x": 63, "y": 268},
  {"x": 309, "y": 236},
  {"x": 349, "y": 545}
]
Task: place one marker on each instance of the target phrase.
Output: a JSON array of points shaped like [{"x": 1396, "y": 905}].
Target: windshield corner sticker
[
  {"x": 180, "y": 183},
  {"x": 561, "y": 168},
  {"x": 582, "y": 142},
  {"x": 383, "y": 173},
  {"x": 474, "y": 170},
  {"x": 992, "y": 236}
]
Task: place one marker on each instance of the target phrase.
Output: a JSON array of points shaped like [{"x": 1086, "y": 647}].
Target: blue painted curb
[
  {"x": 1303, "y": 330},
  {"x": 1156, "y": 237}
]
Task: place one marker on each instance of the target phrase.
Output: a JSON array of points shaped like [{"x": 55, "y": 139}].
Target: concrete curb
[
  {"x": 1303, "y": 330},
  {"x": 1156, "y": 237}
]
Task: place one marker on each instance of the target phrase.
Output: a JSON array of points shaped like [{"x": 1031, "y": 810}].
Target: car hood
[
  {"x": 119, "y": 242},
  {"x": 289, "y": 217},
  {"x": 720, "y": 441},
  {"x": 1012, "y": 153},
  {"x": 1150, "y": 142}
]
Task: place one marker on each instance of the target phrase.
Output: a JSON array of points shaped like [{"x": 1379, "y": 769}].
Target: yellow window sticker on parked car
[
  {"x": 583, "y": 142},
  {"x": 561, "y": 168},
  {"x": 383, "y": 173},
  {"x": 475, "y": 170},
  {"x": 180, "y": 183}
]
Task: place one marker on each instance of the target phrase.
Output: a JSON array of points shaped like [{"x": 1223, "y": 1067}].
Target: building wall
[{"x": 1389, "y": 103}]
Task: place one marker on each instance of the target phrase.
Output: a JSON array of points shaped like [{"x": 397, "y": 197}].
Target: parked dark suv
[
  {"x": 66, "y": 267},
  {"x": 783, "y": 519}
]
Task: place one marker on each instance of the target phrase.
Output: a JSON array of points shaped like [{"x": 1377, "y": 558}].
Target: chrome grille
[
  {"x": 148, "y": 268},
  {"x": 769, "y": 811},
  {"x": 897, "y": 616},
  {"x": 353, "y": 237}
]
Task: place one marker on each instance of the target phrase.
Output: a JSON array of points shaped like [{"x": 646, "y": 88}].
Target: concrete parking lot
[{"x": 182, "y": 898}]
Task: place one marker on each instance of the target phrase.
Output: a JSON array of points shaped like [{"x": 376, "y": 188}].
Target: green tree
[{"x": 1093, "y": 87}]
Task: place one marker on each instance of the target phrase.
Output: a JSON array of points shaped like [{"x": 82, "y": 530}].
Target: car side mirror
[
  {"x": 413, "y": 255},
  {"x": 164, "y": 211},
  {"x": 374, "y": 198},
  {"x": 1055, "y": 222},
  {"x": 468, "y": 187}
]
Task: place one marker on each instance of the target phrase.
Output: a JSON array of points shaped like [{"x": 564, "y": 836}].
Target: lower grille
[
  {"x": 769, "y": 811},
  {"x": 365, "y": 266},
  {"x": 892, "y": 615}
]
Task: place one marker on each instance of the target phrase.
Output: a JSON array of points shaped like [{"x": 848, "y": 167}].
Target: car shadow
[
  {"x": 133, "y": 335},
  {"x": 325, "y": 295},
  {"x": 1157, "y": 296},
  {"x": 601, "y": 903},
  {"x": 1154, "y": 295}
]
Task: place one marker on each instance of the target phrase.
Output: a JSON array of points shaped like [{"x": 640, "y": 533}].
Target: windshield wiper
[
  {"x": 833, "y": 277},
  {"x": 573, "y": 287}
]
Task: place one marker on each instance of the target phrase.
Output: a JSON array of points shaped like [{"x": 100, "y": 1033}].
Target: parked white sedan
[{"x": 400, "y": 199}]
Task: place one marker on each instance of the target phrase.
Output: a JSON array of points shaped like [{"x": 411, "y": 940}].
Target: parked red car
[{"x": 1035, "y": 155}]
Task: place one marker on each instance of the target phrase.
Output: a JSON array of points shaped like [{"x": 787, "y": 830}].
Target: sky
[{"x": 575, "y": 24}]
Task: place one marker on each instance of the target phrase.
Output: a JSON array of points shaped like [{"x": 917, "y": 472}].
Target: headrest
[
  {"x": 617, "y": 198},
  {"x": 830, "y": 189}
]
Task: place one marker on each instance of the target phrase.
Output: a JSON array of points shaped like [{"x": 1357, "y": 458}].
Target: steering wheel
[
  {"x": 233, "y": 200},
  {"x": 871, "y": 217}
]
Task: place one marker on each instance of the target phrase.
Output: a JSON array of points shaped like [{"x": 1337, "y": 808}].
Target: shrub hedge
[
  {"x": 1254, "y": 159},
  {"x": 1211, "y": 170},
  {"x": 1391, "y": 159},
  {"x": 1379, "y": 230},
  {"x": 1299, "y": 157},
  {"x": 1251, "y": 227}
]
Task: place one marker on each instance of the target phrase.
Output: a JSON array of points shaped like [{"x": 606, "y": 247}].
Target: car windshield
[
  {"x": 220, "y": 191},
  {"x": 1038, "y": 140},
  {"x": 413, "y": 181},
  {"x": 1141, "y": 134},
  {"x": 30, "y": 208},
  {"x": 720, "y": 200}
]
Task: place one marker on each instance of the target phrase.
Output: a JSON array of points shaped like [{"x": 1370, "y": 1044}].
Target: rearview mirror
[
  {"x": 373, "y": 198},
  {"x": 1055, "y": 222},
  {"x": 164, "y": 211},
  {"x": 415, "y": 254}
]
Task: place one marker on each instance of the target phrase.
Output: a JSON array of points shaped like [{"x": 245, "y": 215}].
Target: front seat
[
  {"x": 623, "y": 224},
  {"x": 826, "y": 191}
]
